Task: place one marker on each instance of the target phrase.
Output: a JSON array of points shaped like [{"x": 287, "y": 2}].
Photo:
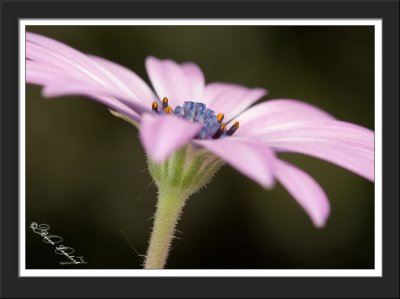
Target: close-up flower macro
[{"x": 193, "y": 131}]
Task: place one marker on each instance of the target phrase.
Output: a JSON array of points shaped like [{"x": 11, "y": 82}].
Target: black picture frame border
[{"x": 154, "y": 287}]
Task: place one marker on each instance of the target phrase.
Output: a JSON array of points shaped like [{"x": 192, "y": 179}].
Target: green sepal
[{"x": 186, "y": 171}]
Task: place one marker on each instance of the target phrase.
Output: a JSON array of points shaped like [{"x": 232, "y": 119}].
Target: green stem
[
  {"x": 169, "y": 207},
  {"x": 184, "y": 173}
]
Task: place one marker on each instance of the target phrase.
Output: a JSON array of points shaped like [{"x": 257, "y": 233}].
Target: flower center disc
[{"x": 213, "y": 127}]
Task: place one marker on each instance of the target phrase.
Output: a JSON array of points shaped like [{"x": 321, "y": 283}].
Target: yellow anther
[
  {"x": 236, "y": 125},
  {"x": 154, "y": 106},
  {"x": 220, "y": 117},
  {"x": 168, "y": 109}
]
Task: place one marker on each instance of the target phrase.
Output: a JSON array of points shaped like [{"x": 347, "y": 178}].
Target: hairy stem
[
  {"x": 169, "y": 207},
  {"x": 184, "y": 173}
]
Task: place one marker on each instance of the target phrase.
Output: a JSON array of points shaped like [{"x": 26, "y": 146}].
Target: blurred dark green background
[{"x": 86, "y": 170}]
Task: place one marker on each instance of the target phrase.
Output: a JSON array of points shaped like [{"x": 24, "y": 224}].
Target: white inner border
[{"x": 376, "y": 272}]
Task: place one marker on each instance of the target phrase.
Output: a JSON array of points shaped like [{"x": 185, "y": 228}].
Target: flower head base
[
  {"x": 213, "y": 127},
  {"x": 191, "y": 167},
  {"x": 186, "y": 171}
]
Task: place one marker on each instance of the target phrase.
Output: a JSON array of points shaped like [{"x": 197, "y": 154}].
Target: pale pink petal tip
[
  {"x": 251, "y": 158},
  {"x": 345, "y": 144},
  {"x": 161, "y": 135},
  {"x": 305, "y": 190}
]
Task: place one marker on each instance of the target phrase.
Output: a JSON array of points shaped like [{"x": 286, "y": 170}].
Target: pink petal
[
  {"x": 230, "y": 99},
  {"x": 69, "y": 87},
  {"x": 178, "y": 83},
  {"x": 345, "y": 144},
  {"x": 42, "y": 73},
  {"x": 75, "y": 87},
  {"x": 161, "y": 135},
  {"x": 40, "y": 54},
  {"x": 46, "y": 51},
  {"x": 57, "y": 83},
  {"x": 305, "y": 190},
  {"x": 196, "y": 80},
  {"x": 250, "y": 157},
  {"x": 128, "y": 79},
  {"x": 278, "y": 111}
]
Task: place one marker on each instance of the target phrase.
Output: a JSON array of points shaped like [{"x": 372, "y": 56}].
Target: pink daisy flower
[{"x": 189, "y": 128}]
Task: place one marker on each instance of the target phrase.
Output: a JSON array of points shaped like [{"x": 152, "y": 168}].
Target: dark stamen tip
[
  {"x": 220, "y": 131},
  {"x": 233, "y": 128}
]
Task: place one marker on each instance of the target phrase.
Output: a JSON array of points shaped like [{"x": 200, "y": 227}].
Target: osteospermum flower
[{"x": 189, "y": 129}]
